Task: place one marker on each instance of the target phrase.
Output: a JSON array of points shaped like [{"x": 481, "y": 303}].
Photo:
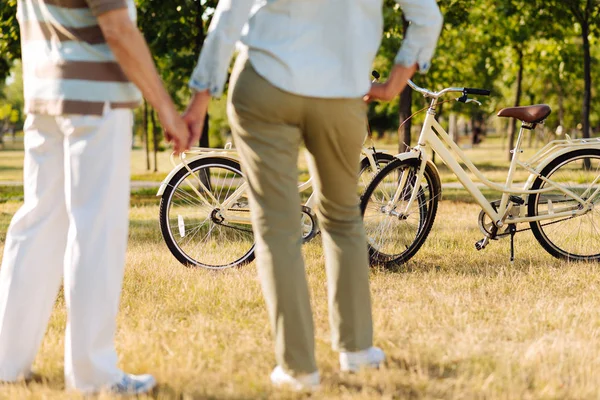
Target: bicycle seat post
[{"x": 516, "y": 151}]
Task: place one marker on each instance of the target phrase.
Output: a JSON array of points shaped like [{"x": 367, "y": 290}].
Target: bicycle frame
[
  {"x": 433, "y": 135},
  {"x": 228, "y": 152}
]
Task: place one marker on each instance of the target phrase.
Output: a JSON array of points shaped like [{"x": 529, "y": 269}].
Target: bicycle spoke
[
  {"x": 577, "y": 236},
  {"x": 199, "y": 226}
]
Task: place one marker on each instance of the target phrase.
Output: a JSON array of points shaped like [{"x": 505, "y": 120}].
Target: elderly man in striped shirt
[{"x": 78, "y": 59}]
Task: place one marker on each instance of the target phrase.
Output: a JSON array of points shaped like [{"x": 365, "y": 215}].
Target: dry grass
[{"x": 455, "y": 323}]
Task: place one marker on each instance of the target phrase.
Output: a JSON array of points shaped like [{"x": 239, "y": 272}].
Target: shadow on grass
[
  {"x": 432, "y": 371},
  {"x": 480, "y": 267},
  {"x": 138, "y": 198},
  {"x": 462, "y": 196},
  {"x": 10, "y": 168},
  {"x": 11, "y": 193},
  {"x": 145, "y": 231},
  {"x": 11, "y": 148},
  {"x": 164, "y": 391}
]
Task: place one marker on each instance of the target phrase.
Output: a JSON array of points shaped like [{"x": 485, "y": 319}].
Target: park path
[
  {"x": 134, "y": 184},
  {"x": 154, "y": 184}
]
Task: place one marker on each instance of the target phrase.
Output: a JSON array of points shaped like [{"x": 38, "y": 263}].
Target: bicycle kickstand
[{"x": 512, "y": 229}]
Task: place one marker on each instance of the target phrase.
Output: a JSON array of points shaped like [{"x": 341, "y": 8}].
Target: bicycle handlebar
[
  {"x": 435, "y": 95},
  {"x": 483, "y": 92}
]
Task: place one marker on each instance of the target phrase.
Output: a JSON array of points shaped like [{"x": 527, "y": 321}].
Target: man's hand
[
  {"x": 393, "y": 86},
  {"x": 132, "y": 53},
  {"x": 176, "y": 130},
  {"x": 195, "y": 114}
]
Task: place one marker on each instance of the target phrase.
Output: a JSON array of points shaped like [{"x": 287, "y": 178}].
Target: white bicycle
[
  {"x": 558, "y": 200},
  {"x": 204, "y": 213}
]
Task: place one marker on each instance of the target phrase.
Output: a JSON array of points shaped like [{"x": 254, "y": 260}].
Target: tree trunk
[
  {"x": 145, "y": 137},
  {"x": 561, "y": 107},
  {"x": 204, "y": 142},
  {"x": 154, "y": 139},
  {"x": 476, "y": 127},
  {"x": 587, "y": 95},
  {"x": 453, "y": 128},
  {"x": 513, "y": 123},
  {"x": 404, "y": 109},
  {"x": 404, "y": 112}
]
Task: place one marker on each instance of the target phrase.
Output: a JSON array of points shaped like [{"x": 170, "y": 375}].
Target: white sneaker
[
  {"x": 354, "y": 361},
  {"x": 298, "y": 383},
  {"x": 134, "y": 384}
]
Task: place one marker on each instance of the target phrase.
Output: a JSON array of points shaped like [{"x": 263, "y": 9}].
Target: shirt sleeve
[
  {"x": 422, "y": 34},
  {"x": 100, "y": 7},
  {"x": 223, "y": 33}
]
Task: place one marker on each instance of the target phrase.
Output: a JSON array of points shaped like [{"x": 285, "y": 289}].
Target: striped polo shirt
[{"x": 67, "y": 66}]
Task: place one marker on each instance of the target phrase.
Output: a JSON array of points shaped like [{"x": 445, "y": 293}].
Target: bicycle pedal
[
  {"x": 516, "y": 199},
  {"x": 480, "y": 244}
]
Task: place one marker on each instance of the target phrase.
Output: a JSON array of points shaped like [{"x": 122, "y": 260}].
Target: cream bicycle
[
  {"x": 557, "y": 201},
  {"x": 204, "y": 213}
]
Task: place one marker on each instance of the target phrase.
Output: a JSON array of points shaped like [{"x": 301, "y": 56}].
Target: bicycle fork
[{"x": 401, "y": 191}]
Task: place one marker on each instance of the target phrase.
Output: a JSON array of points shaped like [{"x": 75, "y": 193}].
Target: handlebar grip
[{"x": 483, "y": 92}]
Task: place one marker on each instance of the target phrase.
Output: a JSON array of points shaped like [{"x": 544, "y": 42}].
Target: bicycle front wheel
[
  {"x": 574, "y": 237},
  {"x": 394, "y": 233},
  {"x": 205, "y": 217}
]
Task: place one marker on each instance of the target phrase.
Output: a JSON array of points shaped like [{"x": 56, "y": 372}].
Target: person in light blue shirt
[{"x": 303, "y": 76}]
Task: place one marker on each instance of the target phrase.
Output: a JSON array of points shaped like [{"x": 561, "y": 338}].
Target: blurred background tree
[{"x": 524, "y": 51}]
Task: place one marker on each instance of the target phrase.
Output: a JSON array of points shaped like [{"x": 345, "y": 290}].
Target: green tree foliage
[
  {"x": 548, "y": 49},
  {"x": 525, "y": 52},
  {"x": 11, "y": 100},
  {"x": 175, "y": 31},
  {"x": 584, "y": 17},
  {"x": 10, "y": 46}
]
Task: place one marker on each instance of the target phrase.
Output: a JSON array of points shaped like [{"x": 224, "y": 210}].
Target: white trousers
[{"x": 74, "y": 224}]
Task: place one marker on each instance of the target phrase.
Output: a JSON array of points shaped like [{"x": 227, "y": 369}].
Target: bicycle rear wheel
[
  {"x": 394, "y": 236},
  {"x": 212, "y": 230},
  {"x": 367, "y": 171},
  {"x": 576, "y": 237}
]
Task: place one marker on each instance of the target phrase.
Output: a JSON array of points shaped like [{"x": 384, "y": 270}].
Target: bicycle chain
[{"x": 528, "y": 229}]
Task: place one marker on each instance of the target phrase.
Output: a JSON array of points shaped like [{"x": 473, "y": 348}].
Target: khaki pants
[{"x": 269, "y": 126}]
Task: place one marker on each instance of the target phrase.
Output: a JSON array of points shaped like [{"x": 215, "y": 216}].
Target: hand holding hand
[
  {"x": 176, "y": 130},
  {"x": 195, "y": 114}
]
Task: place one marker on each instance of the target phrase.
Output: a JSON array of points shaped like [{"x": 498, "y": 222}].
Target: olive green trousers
[{"x": 269, "y": 126}]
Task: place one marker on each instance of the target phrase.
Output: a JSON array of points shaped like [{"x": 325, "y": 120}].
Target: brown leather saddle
[{"x": 530, "y": 114}]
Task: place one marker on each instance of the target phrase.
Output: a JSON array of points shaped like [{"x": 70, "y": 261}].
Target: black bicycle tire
[
  {"x": 164, "y": 208},
  {"x": 535, "y": 226},
  {"x": 433, "y": 179}
]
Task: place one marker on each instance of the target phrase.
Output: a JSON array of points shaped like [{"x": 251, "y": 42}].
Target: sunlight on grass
[{"x": 454, "y": 322}]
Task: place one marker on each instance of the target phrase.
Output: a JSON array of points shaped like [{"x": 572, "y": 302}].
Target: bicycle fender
[
  {"x": 542, "y": 164},
  {"x": 551, "y": 157},
  {"x": 180, "y": 166},
  {"x": 407, "y": 155},
  {"x": 415, "y": 155}
]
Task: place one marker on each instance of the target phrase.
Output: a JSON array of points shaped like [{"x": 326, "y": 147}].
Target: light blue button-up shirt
[{"x": 315, "y": 48}]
